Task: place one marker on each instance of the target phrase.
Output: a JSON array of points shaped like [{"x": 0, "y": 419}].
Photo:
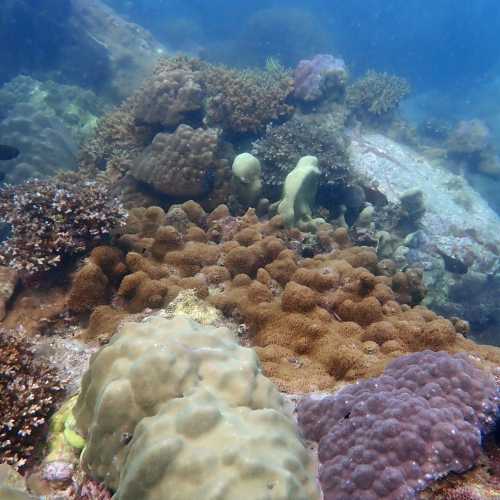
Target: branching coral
[
  {"x": 29, "y": 392},
  {"x": 389, "y": 437},
  {"x": 52, "y": 221},
  {"x": 115, "y": 142},
  {"x": 376, "y": 95},
  {"x": 242, "y": 102},
  {"x": 282, "y": 147}
]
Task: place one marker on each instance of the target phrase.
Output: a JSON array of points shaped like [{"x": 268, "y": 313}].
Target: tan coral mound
[
  {"x": 313, "y": 321},
  {"x": 173, "y": 409}
]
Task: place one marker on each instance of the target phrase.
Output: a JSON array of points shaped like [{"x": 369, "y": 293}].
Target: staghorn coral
[
  {"x": 52, "y": 221},
  {"x": 30, "y": 390},
  {"x": 389, "y": 437},
  {"x": 244, "y": 102},
  {"x": 185, "y": 164},
  {"x": 376, "y": 95},
  {"x": 168, "y": 396}
]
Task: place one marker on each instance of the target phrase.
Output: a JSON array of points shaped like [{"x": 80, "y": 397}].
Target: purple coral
[
  {"x": 314, "y": 78},
  {"x": 389, "y": 437}
]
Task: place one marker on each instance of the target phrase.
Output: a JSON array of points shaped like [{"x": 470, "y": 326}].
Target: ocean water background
[{"x": 448, "y": 49}]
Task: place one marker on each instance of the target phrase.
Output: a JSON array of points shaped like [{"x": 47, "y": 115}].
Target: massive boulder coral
[
  {"x": 173, "y": 95},
  {"x": 174, "y": 409},
  {"x": 185, "y": 164},
  {"x": 389, "y": 437}
]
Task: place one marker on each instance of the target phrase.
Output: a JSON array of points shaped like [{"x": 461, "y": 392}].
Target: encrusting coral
[
  {"x": 52, "y": 221},
  {"x": 316, "y": 321},
  {"x": 166, "y": 394},
  {"x": 390, "y": 436}
]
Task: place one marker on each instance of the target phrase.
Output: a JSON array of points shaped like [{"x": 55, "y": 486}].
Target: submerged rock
[{"x": 457, "y": 223}]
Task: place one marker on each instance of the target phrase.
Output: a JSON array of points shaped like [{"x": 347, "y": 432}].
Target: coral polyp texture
[
  {"x": 389, "y": 437},
  {"x": 314, "y": 321},
  {"x": 171, "y": 95},
  {"x": 243, "y": 102},
  {"x": 173, "y": 409},
  {"x": 30, "y": 390},
  {"x": 52, "y": 221},
  {"x": 319, "y": 77},
  {"x": 185, "y": 164}
]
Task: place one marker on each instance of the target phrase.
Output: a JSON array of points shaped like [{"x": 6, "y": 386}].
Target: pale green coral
[
  {"x": 299, "y": 193},
  {"x": 172, "y": 410}
]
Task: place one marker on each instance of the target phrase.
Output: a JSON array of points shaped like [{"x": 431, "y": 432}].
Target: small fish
[
  {"x": 8, "y": 152},
  {"x": 452, "y": 264}
]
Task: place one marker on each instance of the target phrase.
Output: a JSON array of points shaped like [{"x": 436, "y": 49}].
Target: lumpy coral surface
[{"x": 389, "y": 437}]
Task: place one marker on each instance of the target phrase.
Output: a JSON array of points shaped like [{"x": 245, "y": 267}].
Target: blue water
[{"x": 435, "y": 44}]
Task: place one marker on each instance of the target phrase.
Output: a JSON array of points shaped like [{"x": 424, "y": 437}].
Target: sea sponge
[{"x": 200, "y": 393}]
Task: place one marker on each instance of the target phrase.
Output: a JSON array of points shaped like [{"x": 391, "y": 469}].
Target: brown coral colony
[{"x": 313, "y": 321}]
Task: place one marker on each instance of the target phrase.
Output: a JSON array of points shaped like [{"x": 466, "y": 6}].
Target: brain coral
[
  {"x": 171, "y": 402},
  {"x": 184, "y": 164},
  {"x": 389, "y": 437}
]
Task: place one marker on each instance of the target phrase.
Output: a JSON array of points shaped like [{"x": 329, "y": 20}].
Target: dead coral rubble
[
  {"x": 29, "y": 392},
  {"x": 313, "y": 321},
  {"x": 52, "y": 221}
]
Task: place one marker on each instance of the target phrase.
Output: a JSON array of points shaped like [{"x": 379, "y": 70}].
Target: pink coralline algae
[
  {"x": 389, "y": 437},
  {"x": 315, "y": 78}
]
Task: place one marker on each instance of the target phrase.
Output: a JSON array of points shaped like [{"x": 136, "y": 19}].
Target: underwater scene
[{"x": 249, "y": 250}]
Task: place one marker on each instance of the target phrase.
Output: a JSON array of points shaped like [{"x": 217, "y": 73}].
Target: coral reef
[
  {"x": 299, "y": 193},
  {"x": 337, "y": 314},
  {"x": 375, "y": 96},
  {"x": 172, "y": 393},
  {"x": 171, "y": 95},
  {"x": 320, "y": 77},
  {"x": 282, "y": 146},
  {"x": 30, "y": 390},
  {"x": 183, "y": 165},
  {"x": 247, "y": 178},
  {"x": 244, "y": 102},
  {"x": 389, "y": 437},
  {"x": 52, "y": 221}
]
